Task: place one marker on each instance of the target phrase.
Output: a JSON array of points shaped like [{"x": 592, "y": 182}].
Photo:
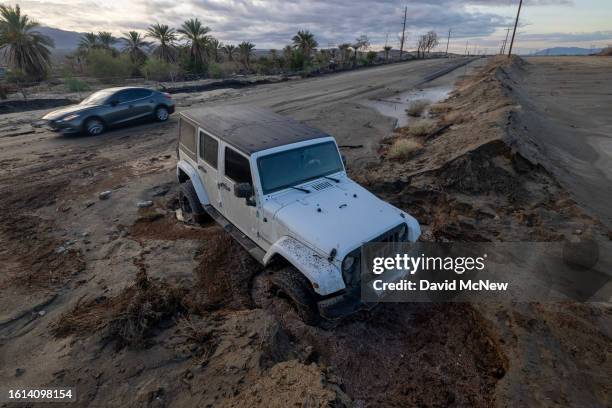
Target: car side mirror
[{"x": 243, "y": 190}]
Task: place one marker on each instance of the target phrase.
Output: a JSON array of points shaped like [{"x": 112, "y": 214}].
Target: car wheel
[
  {"x": 94, "y": 126},
  {"x": 161, "y": 114},
  {"x": 291, "y": 283},
  {"x": 193, "y": 212}
]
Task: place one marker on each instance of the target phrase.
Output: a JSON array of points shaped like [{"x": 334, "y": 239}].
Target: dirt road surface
[{"x": 131, "y": 307}]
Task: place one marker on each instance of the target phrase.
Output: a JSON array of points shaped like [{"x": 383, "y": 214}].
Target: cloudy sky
[{"x": 272, "y": 23}]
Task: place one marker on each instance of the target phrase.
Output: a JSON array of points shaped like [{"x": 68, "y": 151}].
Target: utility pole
[
  {"x": 403, "y": 33},
  {"x": 466, "y": 47},
  {"x": 503, "y": 50},
  {"x": 448, "y": 41},
  {"x": 515, "y": 25}
]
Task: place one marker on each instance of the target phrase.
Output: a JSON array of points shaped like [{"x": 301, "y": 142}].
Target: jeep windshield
[{"x": 292, "y": 167}]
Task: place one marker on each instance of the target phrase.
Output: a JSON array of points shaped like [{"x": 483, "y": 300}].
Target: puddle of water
[{"x": 395, "y": 106}]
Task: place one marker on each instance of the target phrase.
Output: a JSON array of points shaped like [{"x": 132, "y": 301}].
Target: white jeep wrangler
[{"x": 281, "y": 189}]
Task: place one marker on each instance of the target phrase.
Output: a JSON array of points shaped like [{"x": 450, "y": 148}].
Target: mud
[
  {"x": 14, "y": 106},
  {"x": 145, "y": 311}
]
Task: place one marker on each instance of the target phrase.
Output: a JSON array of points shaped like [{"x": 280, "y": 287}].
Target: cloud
[{"x": 272, "y": 23}]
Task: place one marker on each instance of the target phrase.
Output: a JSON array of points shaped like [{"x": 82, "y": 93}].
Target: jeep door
[
  {"x": 237, "y": 169},
  {"x": 208, "y": 163}
]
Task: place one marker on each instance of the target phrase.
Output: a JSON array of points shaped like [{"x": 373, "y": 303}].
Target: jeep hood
[
  {"x": 342, "y": 216},
  {"x": 60, "y": 113}
]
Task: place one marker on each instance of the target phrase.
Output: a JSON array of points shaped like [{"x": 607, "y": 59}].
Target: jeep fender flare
[
  {"x": 323, "y": 275},
  {"x": 183, "y": 166}
]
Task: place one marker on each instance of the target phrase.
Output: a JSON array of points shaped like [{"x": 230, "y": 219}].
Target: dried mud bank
[
  {"x": 478, "y": 174},
  {"x": 473, "y": 175}
]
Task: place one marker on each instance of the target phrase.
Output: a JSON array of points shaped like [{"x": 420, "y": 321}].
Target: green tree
[
  {"x": 196, "y": 35},
  {"x": 214, "y": 49},
  {"x": 88, "y": 42},
  {"x": 106, "y": 41},
  {"x": 24, "y": 48},
  {"x": 134, "y": 46},
  {"x": 305, "y": 42},
  {"x": 387, "y": 49},
  {"x": 245, "y": 51},
  {"x": 230, "y": 51},
  {"x": 165, "y": 50}
]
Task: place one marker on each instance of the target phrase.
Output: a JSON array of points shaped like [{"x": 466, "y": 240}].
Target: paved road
[
  {"x": 568, "y": 101},
  {"x": 328, "y": 102}
]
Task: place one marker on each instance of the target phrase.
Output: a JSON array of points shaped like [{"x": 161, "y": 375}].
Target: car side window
[
  {"x": 209, "y": 149},
  {"x": 237, "y": 167},
  {"x": 140, "y": 93},
  {"x": 121, "y": 96}
]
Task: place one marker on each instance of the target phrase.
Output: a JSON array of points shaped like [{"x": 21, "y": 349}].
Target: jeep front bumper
[{"x": 343, "y": 305}]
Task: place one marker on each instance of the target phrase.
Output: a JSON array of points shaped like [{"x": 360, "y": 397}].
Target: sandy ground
[{"x": 133, "y": 308}]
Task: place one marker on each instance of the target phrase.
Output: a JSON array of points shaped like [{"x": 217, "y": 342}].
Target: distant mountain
[
  {"x": 568, "y": 51},
  {"x": 64, "y": 40}
]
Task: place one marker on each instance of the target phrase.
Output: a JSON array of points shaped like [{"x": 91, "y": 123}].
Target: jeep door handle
[
  {"x": 201, "y": 168},
  {"x": 224, "y": 186}
]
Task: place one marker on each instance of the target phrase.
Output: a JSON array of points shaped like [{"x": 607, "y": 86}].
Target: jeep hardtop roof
[{"x": 251, "y": 129}]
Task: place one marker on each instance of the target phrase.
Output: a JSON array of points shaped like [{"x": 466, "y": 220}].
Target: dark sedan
[{"x": 111, "y": 107}]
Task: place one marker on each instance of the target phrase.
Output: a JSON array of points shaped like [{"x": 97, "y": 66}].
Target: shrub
[
  {"x": 215, "y": 71},
  {"x": 75, "y": 85},
  {"x": 157, "y": 70},
  {"x": 102, "y": 65},
  {"x": 420, "y": 128},
  {"x": 371, "y": 56},
  {"x": 404, "y": 148},
  {"x": 417, "y": 107}
]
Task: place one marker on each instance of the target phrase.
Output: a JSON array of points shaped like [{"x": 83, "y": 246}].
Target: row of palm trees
[{"x": 28, "y": 50}]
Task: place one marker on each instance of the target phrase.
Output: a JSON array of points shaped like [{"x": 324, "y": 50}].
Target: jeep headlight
[
  {"x": 402, "y": 234},
  {"x": 350, "y": 268}
]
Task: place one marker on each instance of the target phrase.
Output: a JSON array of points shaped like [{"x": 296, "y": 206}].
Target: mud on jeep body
[{"x": 281, "y": 189}]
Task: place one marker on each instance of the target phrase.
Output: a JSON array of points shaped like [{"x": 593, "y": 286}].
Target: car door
[
  {"x": 208, "y": 163},
  {"x": 118, "y": 111},
  {"x": 141, "y": 103},
  {"x": 237, "y": 169}
]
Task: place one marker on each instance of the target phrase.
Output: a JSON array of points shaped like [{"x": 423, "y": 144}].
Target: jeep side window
[
  {"x": 237, "y": 167},
  {"x": 187, "y": 138},
  {"x": 209, "y": 148}
]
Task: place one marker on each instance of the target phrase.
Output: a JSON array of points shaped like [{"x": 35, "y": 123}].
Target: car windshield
[
  {"x": 96, "y": 98},
  {"x": 292, "y": 167}
]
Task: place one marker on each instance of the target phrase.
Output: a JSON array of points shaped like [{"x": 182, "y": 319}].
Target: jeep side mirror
[
  {"x": 243, "y": 190},
  {"x": 114, "y": 102},
  {"x": 343, "y": 157}
]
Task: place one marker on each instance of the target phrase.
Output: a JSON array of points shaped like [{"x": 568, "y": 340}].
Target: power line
[{"x": 518, "y": 13}]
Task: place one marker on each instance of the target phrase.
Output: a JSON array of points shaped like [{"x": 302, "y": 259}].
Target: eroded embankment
[{"x": 471, "y": 176}]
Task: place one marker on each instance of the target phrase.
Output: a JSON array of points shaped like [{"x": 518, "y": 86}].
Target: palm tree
[
  {"x": 165, "y": 36},
  {"x": 106, "y": 40},
  {"x": 305, "y": 42},
  {"x": 134, "y": 46},
  {"x": 287, "y": 56},
  {"x": 245, "y": 50},
  {"x": 88, "y": 42},
  {"x": 230, "y": 50},
  {"x": 195, "y": 33},
  {"x": 214, "y": 47},
  {"x": 361, "y": 42},
  {"x": 387, "y": 50},
  {"x": 24, "y": 48}
]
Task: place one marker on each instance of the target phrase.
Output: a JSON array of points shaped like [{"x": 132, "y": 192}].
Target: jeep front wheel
[
  {"x": 192, "y": 210},
  {"x": 291, "y": 283}
]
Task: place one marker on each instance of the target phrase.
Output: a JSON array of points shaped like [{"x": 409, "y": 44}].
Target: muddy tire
[
  {"x": 291, "y": 283},
  {"x": 193, "y": 212},
  {"x": 94, "y": 127}
]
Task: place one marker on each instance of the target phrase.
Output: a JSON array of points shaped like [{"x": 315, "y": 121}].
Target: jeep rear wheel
[
  {"x": 192, "y": 210},
  {"x": 291, "y": 283}
]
